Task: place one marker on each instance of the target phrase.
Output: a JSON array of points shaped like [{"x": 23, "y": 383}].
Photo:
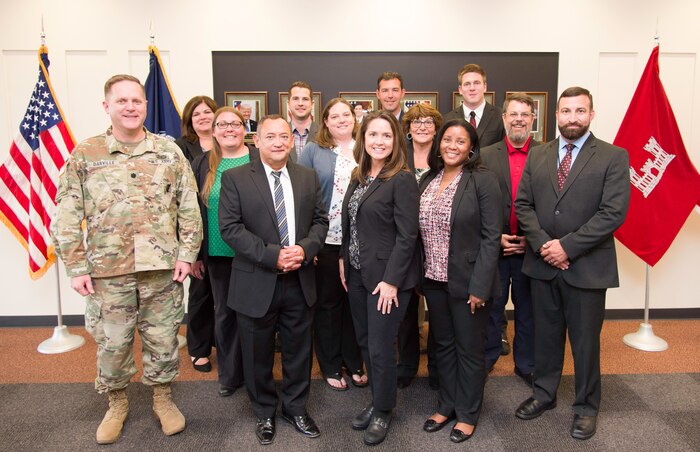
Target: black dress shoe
[
  {"x": 527, "y": 378},
  {"x": 403, "y": 382},
  {"x": 265, "y": 430},
  {"x": 206, "y": 367},
  {"x": 303, "y": 424},
  {"x": 226, "y": 391},
  {"x": 377, "y": 428},
  {"x": 505, "y": 345},
  {"x": 361, "y": 421},
  {"x": 583, "y": 427},
  {"x": 458, "y": 436},
  {"x": 532, "y": 408},
  {"x": 431, "y": 425}
]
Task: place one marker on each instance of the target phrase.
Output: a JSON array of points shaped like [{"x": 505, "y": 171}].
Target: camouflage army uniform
[{"x": 139, "y": 203}]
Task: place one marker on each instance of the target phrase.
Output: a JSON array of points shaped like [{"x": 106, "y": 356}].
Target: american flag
[{"x": 29, "y": 177}]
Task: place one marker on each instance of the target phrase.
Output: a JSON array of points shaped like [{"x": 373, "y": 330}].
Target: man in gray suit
[
  {"x": 573, "y": 195},
  {"x": 507, "y": 159},
  {"x": 485, "y": 118},
  {"x": 271, "y": 213}
]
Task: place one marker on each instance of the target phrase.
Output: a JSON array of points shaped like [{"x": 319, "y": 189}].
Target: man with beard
[
  {"x": 300, "y": 105},
  {"x": 507, "y": 159},
  {"x": 573, "y": 195}
]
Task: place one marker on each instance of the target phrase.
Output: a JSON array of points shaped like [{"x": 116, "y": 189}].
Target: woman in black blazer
[
  {"x": 197, "y": 139},
  {"x": 378, "y": 266},
  {"x": 460, "y": 227},
  {"x": 229, "y": 151}
]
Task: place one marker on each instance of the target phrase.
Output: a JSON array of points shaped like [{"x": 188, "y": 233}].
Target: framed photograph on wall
[
  {"x": 283, "y": 98},
  {"x": 539, "y": 125},
  {"x": 489, "y": 96},
  {"x": 412, "y": 98},
  {"x": 368, "y": 100},
  {"x": 257, "y": 100}
]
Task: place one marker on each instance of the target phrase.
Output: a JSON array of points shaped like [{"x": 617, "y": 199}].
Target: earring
[{"x": 409, "y": 137}]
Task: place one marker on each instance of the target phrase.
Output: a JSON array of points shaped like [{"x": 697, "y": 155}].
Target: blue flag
[{"x": 163, "y": 116}]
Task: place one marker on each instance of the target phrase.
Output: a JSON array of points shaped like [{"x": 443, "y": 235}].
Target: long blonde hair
[{"x": 215, "y": 155}]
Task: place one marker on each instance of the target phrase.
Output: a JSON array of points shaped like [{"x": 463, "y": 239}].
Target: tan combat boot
[
  {"x": 111, "y": 427},
  {"x": 171, "y": 420}
]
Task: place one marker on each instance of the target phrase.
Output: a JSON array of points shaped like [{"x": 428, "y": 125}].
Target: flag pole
[
  {"x": 62, "y": 341},
  {"x": 645, "y": 339},
  {"x": 181, "y": 340}
]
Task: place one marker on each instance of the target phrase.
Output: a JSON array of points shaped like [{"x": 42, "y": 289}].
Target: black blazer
[
  {"x": 495, "y": 158},
  {"x": 249, "y": 225},
  {"x": 200, "y": 168},
  {"x": 253, "y": 125},
  {"x": 490, "y": 128},
  {"x": 190, "y": 149},
  {"x": 475, "y": 235},
  {"x": 387, "y": 223},
  {"x": 590, "y": 207}
]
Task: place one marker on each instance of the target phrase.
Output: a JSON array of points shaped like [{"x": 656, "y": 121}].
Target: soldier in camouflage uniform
[{"x": 137, "y": 195}]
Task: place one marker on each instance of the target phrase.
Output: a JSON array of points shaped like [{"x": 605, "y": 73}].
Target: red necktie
[
  {"x": 472, "y": 119},
  {"x": 564, "y": 166}
]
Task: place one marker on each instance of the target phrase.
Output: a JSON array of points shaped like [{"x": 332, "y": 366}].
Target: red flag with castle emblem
[{"x": 665, "y": 184}]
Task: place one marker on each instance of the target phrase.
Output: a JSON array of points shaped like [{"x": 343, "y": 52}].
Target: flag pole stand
[
  {"x": 645, "y": 339},
  {"x": 62, "y": 341}
]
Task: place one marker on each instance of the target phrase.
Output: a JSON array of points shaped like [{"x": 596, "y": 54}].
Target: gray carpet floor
[{"x": 639, "y": 413}]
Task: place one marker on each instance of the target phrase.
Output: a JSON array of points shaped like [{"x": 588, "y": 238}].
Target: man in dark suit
[
  {"x": 573, "y": 195},
  {"x": 507, "y": 159},
  {"x": 271, "y": 212},
  {"x": 390, "y": 92},
  {"x": 485, "y": 118},
  {"x": 251, "y": 125}
]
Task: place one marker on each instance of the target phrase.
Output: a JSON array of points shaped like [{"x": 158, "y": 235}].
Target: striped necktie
[
  {"x": 280, "y": 211},
  {"x": 564, "y": 166}
]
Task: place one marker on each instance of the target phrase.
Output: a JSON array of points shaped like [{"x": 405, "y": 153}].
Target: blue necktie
[{"x": 280, "y": 211}]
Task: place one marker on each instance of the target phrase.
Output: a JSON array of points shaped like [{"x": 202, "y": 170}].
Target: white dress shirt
[{"x": 288, "y": 198}]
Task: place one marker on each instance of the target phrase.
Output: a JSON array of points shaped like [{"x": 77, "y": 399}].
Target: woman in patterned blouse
[
  {"x": 331, "y": 157},
  {"x": 378, "y": 266},
  {"x": 460, "y": 227}
]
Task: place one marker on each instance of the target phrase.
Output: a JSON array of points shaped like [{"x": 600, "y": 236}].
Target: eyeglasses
[
  {"x": 513, "y": 115},
  {"x": 223, "y": 125},
  {"x": 425, "y": 122}
]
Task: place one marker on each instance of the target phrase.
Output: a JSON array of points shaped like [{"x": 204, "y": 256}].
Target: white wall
[{"x": 603, "y": 45}]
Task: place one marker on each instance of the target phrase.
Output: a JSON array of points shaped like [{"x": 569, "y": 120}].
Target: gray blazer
[{"x": 590, "y": 207}]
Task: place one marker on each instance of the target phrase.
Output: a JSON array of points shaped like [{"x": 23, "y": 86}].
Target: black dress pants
[
  {"x": 334, "y": 334},
  {"x": 559, "y": 307},
  {"x": 200, "y": 318},
  {"x": 408, "y": 340},
  {"x": 459, "y": 339},
  {"x": 228, "y": 344},
  {"x": 376, "y": 333},
  {"x": 295, "y": 318}
]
